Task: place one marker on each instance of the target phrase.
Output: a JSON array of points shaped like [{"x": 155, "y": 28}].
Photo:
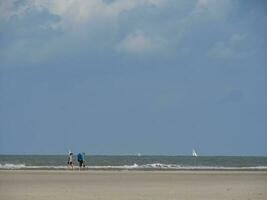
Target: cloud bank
[{"x": 38, "y": 30}]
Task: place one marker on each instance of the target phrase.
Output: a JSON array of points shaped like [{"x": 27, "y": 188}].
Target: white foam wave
[
  {"x": 12, "y": 166},
  {"x": 152, "y": 166}
]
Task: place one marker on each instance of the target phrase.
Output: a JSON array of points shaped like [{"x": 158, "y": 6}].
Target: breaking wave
[{"x": 153, "y": 166}]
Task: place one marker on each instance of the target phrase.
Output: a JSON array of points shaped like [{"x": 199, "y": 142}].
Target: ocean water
[{"x": 128, "y": 162}]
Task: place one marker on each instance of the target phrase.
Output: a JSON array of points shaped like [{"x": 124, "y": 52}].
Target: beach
[{"x": 132, "y": 185}]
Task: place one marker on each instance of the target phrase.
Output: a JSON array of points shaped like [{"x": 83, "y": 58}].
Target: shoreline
[
  {"x": 134, "y": 171},
  {"x": 99, "y": 168}
]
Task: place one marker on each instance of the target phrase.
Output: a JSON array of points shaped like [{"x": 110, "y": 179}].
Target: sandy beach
[{"x": 132, "y": 185}]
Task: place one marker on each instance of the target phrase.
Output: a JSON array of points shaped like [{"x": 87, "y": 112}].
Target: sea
[{"x": 135, "y": 162}]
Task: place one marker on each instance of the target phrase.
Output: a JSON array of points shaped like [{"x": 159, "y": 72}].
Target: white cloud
[
  {"x": 74, "y": 13},
  {"x": 138, "y": 42},
  {"x": 107, "y": 25},
  {"x": 10, "y": 9},
  {"x": 80, "y": 23},
  {"x": 230, "y": 48}
]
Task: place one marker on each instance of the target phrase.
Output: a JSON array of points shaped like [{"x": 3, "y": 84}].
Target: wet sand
[{"x": 132, "y": 185}]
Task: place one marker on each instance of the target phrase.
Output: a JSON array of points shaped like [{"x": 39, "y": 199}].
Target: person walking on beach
[
  {"x": 83, "y": 155},
  {"x": 80, "y": 158},
  {"x": 70, "y": 160}
]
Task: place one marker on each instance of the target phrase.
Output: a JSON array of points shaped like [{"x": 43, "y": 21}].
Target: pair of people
[{"x": 80, "y": 159}]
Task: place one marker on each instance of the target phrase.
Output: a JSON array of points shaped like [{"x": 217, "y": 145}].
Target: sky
[{"x": 133, "y": 76}]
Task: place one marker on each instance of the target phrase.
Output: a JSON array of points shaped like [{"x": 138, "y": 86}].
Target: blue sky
[{"x": 133, "y": 76}]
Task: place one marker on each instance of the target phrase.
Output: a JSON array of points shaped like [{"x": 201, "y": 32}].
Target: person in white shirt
[{"x": 70, "y": 160}]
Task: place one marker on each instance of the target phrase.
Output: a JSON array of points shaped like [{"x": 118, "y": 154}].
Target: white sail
[{"x": 194, "y": 153}]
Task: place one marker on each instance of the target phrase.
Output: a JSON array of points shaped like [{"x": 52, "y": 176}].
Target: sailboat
[{"x": 194, "y": 153}]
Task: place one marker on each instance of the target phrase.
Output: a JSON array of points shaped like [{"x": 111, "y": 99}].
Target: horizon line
[{"x": 137, "y": 155}]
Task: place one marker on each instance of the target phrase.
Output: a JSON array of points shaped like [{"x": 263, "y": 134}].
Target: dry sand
[{"x": 132, "y": 185}]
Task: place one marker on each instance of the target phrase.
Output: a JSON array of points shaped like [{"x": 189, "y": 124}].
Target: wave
[
  {"x": 12, "y": 166},
  {"x": 153, "y": 166}
]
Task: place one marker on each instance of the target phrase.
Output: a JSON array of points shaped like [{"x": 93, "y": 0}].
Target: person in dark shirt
[{"x": 80, "y": 159}]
